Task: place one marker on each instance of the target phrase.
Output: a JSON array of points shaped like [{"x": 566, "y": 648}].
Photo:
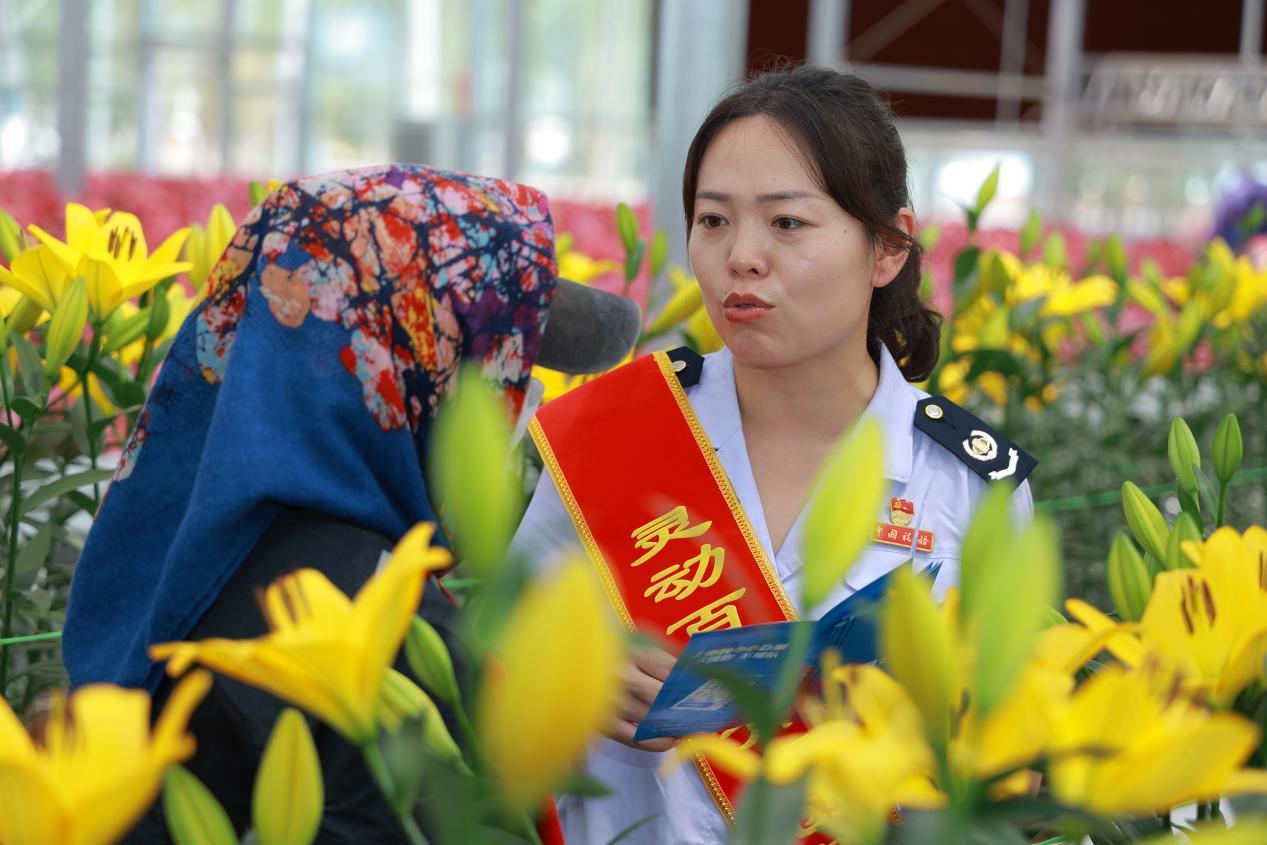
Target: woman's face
[{"x": 786, "y": 273}]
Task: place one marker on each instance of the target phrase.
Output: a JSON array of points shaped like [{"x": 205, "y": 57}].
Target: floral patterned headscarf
[{"x": 335, "y": 323}]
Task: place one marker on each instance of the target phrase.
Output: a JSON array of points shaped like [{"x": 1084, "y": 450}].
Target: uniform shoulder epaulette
[
  {"x": 990, "y": 455},
  {"x": 688, "y": 364}
]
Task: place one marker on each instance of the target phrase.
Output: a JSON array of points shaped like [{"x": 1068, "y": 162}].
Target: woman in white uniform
[{"x": 803, "y": 241}]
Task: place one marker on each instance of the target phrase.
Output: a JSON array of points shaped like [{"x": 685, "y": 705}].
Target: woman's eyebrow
[{"x": 777, "y": 196}]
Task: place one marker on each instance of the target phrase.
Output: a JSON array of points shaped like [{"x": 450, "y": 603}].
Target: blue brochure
[{"x": 690, "y": 703}]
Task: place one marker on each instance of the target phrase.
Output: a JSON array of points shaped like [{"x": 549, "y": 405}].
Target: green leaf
[
  {"x": 31, "y": 557},
  {"x": 30, "y": 365},
  {"x": 64, "y": 485},
  {"x": 79, "y": 427},
  {"x": 406, "y": 756},
  {"x": 582, "y": 785},
  {"x": 1055, "y": 253},
  {"x": 1030, "y": 232},
  {"x": 965, "y": 267},
  {"x": 985, "y": 194},
  {"x": 1209, "y": 492},
  {"x": 633, "y": 260},
  {"x": 289, "y": 795},
  {"x": 971, "y": 217},
  {"x": 626, "y": 227},
  {"x": 659, "y": 252},
  {"x": 258, "y": 190},
  {"x": 929, "y": 235},
  {"x": 770, "y": 813},
  {"x": 1119, "y": 267},
  {"x": 471, "y": 445},
  {"x": 13, "y": 439},
  {"x": 1188, "y": 503},
  {"x": 194, "y": 816},
  {"x": 27, "y": 408},
  {"x": 842, "y": 513}
]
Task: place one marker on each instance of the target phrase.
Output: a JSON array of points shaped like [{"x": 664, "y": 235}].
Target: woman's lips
[{"x": 745, "y": 308}]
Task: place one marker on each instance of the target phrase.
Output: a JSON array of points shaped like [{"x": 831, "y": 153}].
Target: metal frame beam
[
  {"x": 701, "y": 47},
  {"x": 72, "y": 96},
  {"x": 827, "y": 41}
]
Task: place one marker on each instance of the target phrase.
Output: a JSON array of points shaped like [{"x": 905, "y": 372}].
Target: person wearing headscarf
[{"x": 289, "y": 427}]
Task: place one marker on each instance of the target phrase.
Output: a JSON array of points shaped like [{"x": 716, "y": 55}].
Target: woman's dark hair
[{"x": 847, "y": 137}]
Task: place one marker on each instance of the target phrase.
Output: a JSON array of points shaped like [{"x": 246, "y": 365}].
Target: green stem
[
  {"x": 1218, "y": 523},
  {"x": 383, "y": 776},
  {"x": 10, "y": 565},
  {"x": 93, "y": 348},
  {"x": 31, "y": 638}
]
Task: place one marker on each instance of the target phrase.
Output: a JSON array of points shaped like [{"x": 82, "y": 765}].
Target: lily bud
[
  {"x": 684, "y": 302},
  {"x": 66, "y": 328},
  {"x": 1227, "y": 449},
  {"x": 1185, "y": 530},
  {"x": 842, "y": 516},
  {"x": 916, "y": 644},
  {"x": 121, "y": 331},
  {"x": 430, "y": 661},
  {"x": 1181, "y": 448},
  {"x": 289, "y": 795},
  {"x": 160, "y": 315},
  {"x": 1129, "y": 583},
  {"x": 10, "y": 237},
  {"x": 194, "y": 816},
  {"x": 1147, "y": 524}
]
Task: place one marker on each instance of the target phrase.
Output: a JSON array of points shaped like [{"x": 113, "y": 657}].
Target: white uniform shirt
[{"x": 944, "y": 491}]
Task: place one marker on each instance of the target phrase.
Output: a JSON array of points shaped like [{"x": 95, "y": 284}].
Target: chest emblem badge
[{"x": 901, "y": 511}]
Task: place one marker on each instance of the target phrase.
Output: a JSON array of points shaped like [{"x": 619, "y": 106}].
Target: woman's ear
[{"x": 890, "y": 258}]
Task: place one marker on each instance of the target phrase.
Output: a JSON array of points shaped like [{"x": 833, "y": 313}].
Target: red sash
[{"x": 658, "y": 516}]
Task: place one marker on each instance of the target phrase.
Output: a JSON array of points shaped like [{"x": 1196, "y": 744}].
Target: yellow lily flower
[
  {"x": 206, "y": 245},
  {"x": 581, "y": 268},
  {"x": 1122, "y": 746},
  {"x": 1208, "y": 625},
  {"x": 99, "y": 768},
  {"x": 556, "y": 383},
  {"x": 112, "y": 257},
  {"x": 37, "y": 274},
  {"x": 1089, "y": 294},
  {"x": 326, "y": 653},
  {"x": 557, "y": 684},
  {"x": 702, "y": 332},
  {"x": 863, "y": 754},
  {"x": 70, "y": 383},
  {"x": 686, "y": 300}
]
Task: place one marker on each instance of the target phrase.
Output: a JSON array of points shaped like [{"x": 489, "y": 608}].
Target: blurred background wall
[{"x": 1124, "y": 115}]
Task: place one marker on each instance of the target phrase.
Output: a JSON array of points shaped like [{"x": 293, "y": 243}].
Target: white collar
[{"x": 893, "y": 404}]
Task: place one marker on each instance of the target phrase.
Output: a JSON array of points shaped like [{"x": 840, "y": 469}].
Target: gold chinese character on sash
[
  {"x": 713, "y": 616},
  {"x": 674, "y": 525},
  {"x": 680, "y": 580}
]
